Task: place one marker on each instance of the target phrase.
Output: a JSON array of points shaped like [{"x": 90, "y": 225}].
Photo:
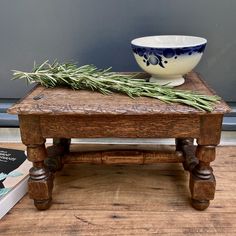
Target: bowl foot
[{"x": 168, "y": 81}]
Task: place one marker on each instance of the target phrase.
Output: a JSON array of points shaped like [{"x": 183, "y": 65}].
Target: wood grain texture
[
  {"x": 58, "y": 101},
  {"x": 206, "y": 153},
  {"x": 128, "y": 200},
  {"x": 30, "y": 130},
  {"x": 158, "y": 126},
  {"x": 202, "y": 189},
  {"x": 124, "y": 157},
  {"x": 202, "y": 180},
  {"x": 210, "y": 124}
]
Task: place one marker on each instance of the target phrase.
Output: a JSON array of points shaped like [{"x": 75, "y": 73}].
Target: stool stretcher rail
[{"x": 123, "y": 157}]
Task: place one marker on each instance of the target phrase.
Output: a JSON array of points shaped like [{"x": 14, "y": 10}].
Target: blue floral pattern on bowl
[{"x": 160, "y": 56}]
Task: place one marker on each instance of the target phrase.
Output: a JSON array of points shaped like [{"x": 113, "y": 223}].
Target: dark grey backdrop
[{"x": 100, "y": 31}]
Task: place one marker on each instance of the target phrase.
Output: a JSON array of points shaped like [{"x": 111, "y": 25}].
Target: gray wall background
[{"x": 99, "y": 32}]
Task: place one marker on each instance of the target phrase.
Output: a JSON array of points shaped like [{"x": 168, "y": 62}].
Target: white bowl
[{"x": 168, "y": 57}]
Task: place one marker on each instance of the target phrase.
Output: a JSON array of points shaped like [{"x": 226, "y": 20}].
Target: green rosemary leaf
[{"x": 89, "y": 77}]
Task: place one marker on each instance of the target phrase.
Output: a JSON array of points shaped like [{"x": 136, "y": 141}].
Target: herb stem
[{"x": 105, "y": 81}]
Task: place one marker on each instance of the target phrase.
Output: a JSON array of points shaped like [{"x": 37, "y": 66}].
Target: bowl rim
[{"x": 201, "y": 41}]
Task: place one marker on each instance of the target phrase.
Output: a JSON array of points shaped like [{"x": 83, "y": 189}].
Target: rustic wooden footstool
[{"x": 62, "y": 114}]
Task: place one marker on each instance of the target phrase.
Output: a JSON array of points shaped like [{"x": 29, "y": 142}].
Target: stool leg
[
  {"x": 40, "y": 183},
  {"x": 63, "y": 143},
  {"x": 56, "y": 152},
  {"x": 185, "y": 145},
  {"x": 202, "y": 181}
]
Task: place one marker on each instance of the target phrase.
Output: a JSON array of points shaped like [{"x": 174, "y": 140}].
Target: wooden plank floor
[{"x": 129, "y": 200}]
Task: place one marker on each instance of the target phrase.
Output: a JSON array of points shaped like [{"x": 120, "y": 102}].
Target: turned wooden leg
[
  {"x": 185, "y": 145},
  {"x": 202, "y": 180},
  {"x": 40, "y": 182},
  {"x": 63, "y": 143},
  {"x": 56, "y": 152},
  {"x": 180, "y": 142}
]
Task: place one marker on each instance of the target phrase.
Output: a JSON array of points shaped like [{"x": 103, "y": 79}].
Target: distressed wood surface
[
  {"x": 128, "y": 200},
  {"x": 58, "y": 101},
  {"x": 155, "y": 126}
]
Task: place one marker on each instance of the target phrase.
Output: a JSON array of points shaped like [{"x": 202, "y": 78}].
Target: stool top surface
[{"x": 65, "y": 101}]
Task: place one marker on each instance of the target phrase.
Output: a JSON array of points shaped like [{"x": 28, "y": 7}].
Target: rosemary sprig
[{"x": 91, "y": 78}]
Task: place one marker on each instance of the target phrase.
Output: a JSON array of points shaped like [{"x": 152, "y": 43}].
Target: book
[{"x": 14, "y": 174}]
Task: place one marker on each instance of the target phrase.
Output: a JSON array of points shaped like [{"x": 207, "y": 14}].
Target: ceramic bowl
[{"x": 168, "y": 57}]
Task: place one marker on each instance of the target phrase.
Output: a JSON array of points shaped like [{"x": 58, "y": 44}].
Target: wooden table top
[{"x": 65, "y": 101}]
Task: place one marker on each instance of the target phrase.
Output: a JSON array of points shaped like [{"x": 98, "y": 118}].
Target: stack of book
[{"x": 14, "y": 174}]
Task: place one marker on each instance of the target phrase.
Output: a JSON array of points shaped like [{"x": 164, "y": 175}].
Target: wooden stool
[{"x": 62, "y": 114}]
